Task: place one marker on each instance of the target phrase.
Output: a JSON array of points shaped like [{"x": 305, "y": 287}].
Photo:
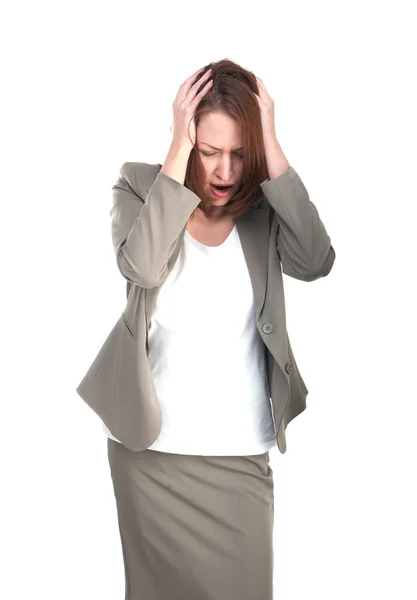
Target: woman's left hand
[
  {"x": 267, "y": 106},
  {"x": 276, "y": 161}
]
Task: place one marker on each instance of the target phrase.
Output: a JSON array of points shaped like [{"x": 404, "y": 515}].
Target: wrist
[
  {"x": 182, "y": 147},
  {"x": 176, "y": 161}
]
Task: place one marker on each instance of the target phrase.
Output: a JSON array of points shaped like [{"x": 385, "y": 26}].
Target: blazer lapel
[{"x": 253, "y": 228}]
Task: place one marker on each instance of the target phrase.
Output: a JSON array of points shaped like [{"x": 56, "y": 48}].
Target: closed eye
[{"x": 213, "y": 153}]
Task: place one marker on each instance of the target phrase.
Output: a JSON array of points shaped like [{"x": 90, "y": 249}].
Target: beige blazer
[{"x": 281, "y": 233}]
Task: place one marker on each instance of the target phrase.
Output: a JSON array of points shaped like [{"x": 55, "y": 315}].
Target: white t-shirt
[{"x": 207, "y": 358}]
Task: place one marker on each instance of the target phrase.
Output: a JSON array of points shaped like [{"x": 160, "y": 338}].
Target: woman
[{"x": 184, "y": 381}]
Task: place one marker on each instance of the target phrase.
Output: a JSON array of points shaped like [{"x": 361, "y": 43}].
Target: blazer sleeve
[
  {"x": 144, "y": 230},
  {"x": 302, "y": 243}
]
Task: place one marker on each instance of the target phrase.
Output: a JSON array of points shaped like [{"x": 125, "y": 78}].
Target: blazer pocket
[{"x": 128, "y": 326}]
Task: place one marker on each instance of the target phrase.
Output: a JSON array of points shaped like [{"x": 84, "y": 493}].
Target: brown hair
[{"x": 232, "y": 93}]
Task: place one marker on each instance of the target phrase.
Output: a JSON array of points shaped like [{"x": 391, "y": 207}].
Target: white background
[{"x": 89, "y": 86}]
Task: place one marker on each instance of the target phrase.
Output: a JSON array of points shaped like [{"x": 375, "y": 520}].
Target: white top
[{"x": 207, "y": 358}]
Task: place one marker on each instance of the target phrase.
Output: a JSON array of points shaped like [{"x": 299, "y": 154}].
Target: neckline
[{"x": 211, "y": 247}]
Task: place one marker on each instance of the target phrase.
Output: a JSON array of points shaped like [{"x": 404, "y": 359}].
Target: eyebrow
[{"x": 214, "y": 147}]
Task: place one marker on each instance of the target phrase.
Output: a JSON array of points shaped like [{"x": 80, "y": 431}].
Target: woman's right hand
[{"x": 184, "y": 107}]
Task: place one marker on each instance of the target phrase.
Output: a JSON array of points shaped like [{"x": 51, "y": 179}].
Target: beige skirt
[{"x": 194, "y": 527}]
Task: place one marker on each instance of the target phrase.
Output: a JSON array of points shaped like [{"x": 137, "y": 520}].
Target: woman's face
[{"x": 220, "y": 145}]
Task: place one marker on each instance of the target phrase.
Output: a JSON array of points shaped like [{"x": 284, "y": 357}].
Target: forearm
[
  {"x": 303, "y": 243},
  {"x": 276, "y": 161},
  {"x": 176, "y": 162},
  {"x": 145, "y": 228}
]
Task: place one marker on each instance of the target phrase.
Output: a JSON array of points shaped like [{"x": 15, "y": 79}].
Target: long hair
[{"x": 232, "y": 94}]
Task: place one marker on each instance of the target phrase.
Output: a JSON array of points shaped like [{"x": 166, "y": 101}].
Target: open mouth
[{"x": 221, "y": 190}]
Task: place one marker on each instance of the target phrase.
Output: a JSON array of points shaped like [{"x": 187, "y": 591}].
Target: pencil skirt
[{"x": 194, "y": 527}]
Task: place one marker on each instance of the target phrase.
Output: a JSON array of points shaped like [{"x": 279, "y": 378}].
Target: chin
[{"x": 220, "y": 200}]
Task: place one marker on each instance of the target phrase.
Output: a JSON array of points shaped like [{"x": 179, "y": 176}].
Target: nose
[{"x": 224, "y": 168}]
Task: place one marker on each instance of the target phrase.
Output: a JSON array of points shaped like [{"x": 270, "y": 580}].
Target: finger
[
  {"x": 205, "y": 76},
  {"x": 191, "y": 78},
  {"x": 196, "y": 73},
  {"x": 191, "y": 92},
  {"x": 198, "y": 97}
]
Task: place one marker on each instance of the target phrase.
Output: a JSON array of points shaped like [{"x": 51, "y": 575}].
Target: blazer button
[
  {"x": 288, "y": 368},
  {"x": 267, "y": 328}
]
